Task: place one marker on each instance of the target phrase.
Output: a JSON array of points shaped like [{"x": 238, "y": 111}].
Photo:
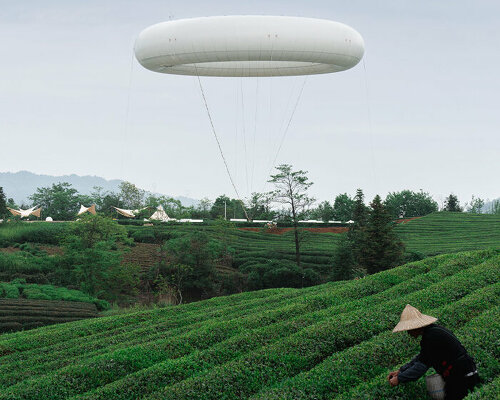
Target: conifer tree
[
  {"x": 382, "y": 249},
  {"x": 3, "y": 204},
  {"x": 452, "y": 204}
]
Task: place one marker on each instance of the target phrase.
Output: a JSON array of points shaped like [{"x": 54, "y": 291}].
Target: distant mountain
[{"x": 20, "y": 185}]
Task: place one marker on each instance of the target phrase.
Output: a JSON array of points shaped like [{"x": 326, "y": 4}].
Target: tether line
[
  {"x": 287, "y": 128},
  {"x": 218, "y": 143}
]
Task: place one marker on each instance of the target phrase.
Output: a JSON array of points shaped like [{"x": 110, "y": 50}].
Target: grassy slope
[{"x": 324, "y": 342}]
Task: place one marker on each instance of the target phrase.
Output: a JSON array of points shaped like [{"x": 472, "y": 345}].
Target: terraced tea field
[
  {"x": 332, "y": 341},
  {"x": 22, "y": 314},
  {"x": 442, "y": 232}
]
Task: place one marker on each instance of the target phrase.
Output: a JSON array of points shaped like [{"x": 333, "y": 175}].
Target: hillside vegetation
[{"x": 332, "y": 341}]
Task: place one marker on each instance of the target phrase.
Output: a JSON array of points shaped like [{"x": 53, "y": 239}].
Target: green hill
[{"x": 332, "y": 341}]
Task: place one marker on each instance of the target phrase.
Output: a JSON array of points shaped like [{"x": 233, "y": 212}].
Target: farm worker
[{"x": 439, "y": 349}]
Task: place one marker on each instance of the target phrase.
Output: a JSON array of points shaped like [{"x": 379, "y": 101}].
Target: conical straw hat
[{"x": 411, "y": 318}]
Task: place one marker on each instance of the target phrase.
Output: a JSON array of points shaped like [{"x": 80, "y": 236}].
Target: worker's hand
[
  {"x": 393, "y": 373},
  {"x": 394, "y": 381}
]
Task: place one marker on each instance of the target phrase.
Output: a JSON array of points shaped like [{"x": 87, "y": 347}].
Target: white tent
[
  {"x": 160, "y": 215},
  {"x": 26, "y": 213},
  {"x": 128, "y": 213},
  {"x": 84, "y": 209}
]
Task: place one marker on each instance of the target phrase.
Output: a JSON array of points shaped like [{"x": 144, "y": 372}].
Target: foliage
[
  {"x": 224, "y": 207},
  {"x": 105, "y": 201},
  {"x": 131, "y": 196},
  {"x": 279, "y": 273},
  {"x": 92, "y": 229},
  {"x": 343, "y": 208},
  {"x": 409, "y": 204},
  {"x": 370, "y": 245},
  {"x": 90, "y": 265},
  {"x": 382, "y": 249},
  {"x": 92, "y": 258},
  {"x": 360, "y": 211},
  {"x": 452, "y": 204},
  {"x": 291, "y": 190},
  {"x": 259, "y": 207},
  {"x": 60, "y": 201},
  {"x": 202, "y": 209},
  {"x": 476, "y": 205},
  {"x": 122, "y": 282},
  {"x": 188, "y": 266},
  {"x": 357, "y": 230},
  {"x": 343, "y": 260},
  {"x": 171, "y": 206},
  {"x": 3, "y": 204},
  {"x": 321, "y": 342},
  {"x": 323, "y": 212},
  {"x": 495, "y": 207}
]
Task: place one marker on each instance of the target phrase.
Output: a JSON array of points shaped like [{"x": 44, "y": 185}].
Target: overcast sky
[{"x": 422, "y": 111}]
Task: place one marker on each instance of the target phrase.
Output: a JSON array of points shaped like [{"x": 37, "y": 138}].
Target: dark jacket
[{"x": 441, "y": 350}]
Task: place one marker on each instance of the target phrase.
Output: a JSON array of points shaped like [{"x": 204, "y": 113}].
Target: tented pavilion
[
  {"x": 128, "y": 213},
  {"x": 26, "y": 213},
  {"x": 84, "y": 209},
  {"x": 160, "y": 215}
]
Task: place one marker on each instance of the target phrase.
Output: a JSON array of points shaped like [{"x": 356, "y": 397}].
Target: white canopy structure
[
  {"x": 26, "y": 213},
  {"x": 84, "y": 209},
  {"x": 249, "y": 45},
  {"x": 160, "y": 215},
  {"x": 126, "y": 213}
]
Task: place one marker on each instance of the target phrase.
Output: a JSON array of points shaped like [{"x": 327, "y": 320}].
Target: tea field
[
  {"x": 332, "y": 341},
  {"x": 447, "y": 232}
]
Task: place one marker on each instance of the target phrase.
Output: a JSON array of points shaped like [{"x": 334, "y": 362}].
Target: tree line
[{"x": 61, "y": 201}]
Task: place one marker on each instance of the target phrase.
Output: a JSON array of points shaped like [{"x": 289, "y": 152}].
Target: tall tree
[
  {"x": 408, "y": 204},
  {"x": 357, "y": 232},
  {"x": 324, "y": 212},
  {"x": 343, "y": 207},
  {"x": 291, "y": 190},
  {"x": 344, "y": 262},
  {"x": 3, "y": 204},
  {"x": 204, "y": 207},
  {"x": 476, "y": 205},
  {"x": 172, "y": 207},
  {"x": 222, "y": 207},
  {"x": 382, "y": 248},
  {"x": 495, "y": 207},
  {"x": 131, "y": 196},
  {"x": 259, "y": 206},
  {"x": 452, "y": 204},
  {"x": 360, "y": 211},
  {"x": 60, "y": 201}
]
